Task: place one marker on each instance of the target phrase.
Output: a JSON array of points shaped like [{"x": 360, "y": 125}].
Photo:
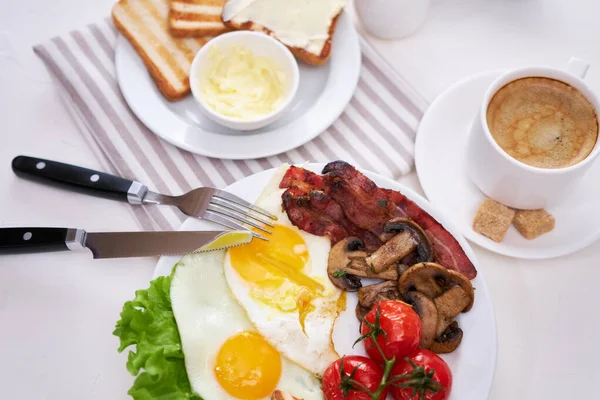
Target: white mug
[
  {"x": 391, "y": 19},
  {"x": 510, "y": 181}
]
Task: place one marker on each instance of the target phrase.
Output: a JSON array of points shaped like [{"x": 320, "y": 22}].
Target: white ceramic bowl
[{"x": 261, "y": 45}]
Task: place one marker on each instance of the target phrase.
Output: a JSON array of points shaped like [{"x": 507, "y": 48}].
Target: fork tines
[
  {"x": 225, "y": 206},
  {"x": 241, "y": 202},
  {"x": 233, "y": 212},
  {"x": 228, "y": 223}
]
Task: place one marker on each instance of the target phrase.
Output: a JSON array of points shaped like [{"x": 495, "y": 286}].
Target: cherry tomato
[
  {"x": 426, "y": 373},
  {"x": 340, "y": 379},
  {"x": 397, "y": 329}
]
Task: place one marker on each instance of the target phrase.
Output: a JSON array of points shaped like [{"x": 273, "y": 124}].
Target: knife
[{"x": 118, "y": 244}]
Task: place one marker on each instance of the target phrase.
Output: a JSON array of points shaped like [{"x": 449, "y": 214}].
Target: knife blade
[{"x": 118, "y": 244}]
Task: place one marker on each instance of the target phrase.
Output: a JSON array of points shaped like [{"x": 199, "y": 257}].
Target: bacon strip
[
  {"x": 319, "y": 217},
  {"x": 303, "y": 179},
  {"x": 366, "y": 205},
  {"x": 318, "y": 214},
  {"x": 446, "y": 248},
  {"x": 344, "y": 202}
]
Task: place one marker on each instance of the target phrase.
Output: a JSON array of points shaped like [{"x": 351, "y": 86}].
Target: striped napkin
[{"x": 376, "y": 131}]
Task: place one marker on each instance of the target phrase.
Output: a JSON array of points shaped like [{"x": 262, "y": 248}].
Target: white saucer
[
  {"x": 323, "y": 94},
  {"x": 440, "y": 161}
]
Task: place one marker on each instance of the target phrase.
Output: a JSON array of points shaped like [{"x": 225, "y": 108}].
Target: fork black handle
[{"x": 78, "y": 179}]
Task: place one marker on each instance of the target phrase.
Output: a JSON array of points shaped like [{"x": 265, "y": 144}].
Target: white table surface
[{"x": 57, "y": 311}]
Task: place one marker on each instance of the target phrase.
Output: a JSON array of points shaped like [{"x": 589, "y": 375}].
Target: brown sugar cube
[
  {"x": 493, "y": 219},
  {"x": 533, "y": 223}
]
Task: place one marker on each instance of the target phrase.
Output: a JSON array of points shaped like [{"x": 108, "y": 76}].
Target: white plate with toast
[
  {"x": 323, "y": 94},
  {"x": 440, "y": 162}
]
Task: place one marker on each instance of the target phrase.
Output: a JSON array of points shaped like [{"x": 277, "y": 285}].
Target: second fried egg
[{"x": 225, "y": 357}]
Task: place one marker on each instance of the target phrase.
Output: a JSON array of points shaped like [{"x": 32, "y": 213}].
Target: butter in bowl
[{"x": 244, "y": 80}]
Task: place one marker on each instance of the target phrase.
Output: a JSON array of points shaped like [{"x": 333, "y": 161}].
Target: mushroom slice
[
  {"x": 402, "y": 268},
  {"x": 449, "y": 305},
  {"x": 339, "y": 261},
  {"x": 432, "y": 280},
  {"x": 357, "y": 255},
  {"x": 424, "y": 249},
  {"x": 448, "y": 341},
  {"x": 361, "y": 312},
  {"x": 428, "y": 313},
  {"x": 370, "y": 295},
  {"x": 427, "y": 278},
  {"x": 392, "y": 250},
  {"x": 347, "y": 264},
  {"x": 359, "y": 267},
  {"x": 456, "y": 279},
  {"x": 409, "y": 236},
  {"x": 450, "y": 292}
]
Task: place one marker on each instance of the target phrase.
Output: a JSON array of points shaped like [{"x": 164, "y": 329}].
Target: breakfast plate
[
  {"x": 323, "y": 94},
  {"x": 441, "y": 166},
  {"x": 472, "y": 364}
]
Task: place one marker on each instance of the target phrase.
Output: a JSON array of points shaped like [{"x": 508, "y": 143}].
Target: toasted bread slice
[
  {"x": 193, "y": 18},
  {"x": 144, "y": 24},
  {"x": 310, "y": 42}
]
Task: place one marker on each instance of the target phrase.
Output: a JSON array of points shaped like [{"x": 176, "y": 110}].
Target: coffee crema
[{"x": 543, "y": 122}]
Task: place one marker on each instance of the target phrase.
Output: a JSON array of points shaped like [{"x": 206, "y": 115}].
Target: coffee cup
[{"x": 543, "y": 176}]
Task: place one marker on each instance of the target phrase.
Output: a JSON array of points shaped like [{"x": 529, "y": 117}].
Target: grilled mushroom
[
  {"x": 409, "y": 237},
  {"x": 347, "y": 264},
  {"x": 370, "y": 295},
  {"x": 402, "y": 268},
  {"x": 361, "y": 312},
  {"x": 433, "y": 280},
  {"x": 428, "y": 313},
  {"x": 424, "y": 250},
  {"x": 448, "y": 341},
  {"x": 338, "y": 262},
  {"x": 449, "y": 305},
  {"x": 425, "y": 278},
  {"x": 359, "y": 267},
  {"x": 450, "y": 293}
]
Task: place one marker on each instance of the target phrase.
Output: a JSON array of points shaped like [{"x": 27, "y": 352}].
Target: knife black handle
[
  {"x": 32, "y": 240},
  {"x": 78, "y": 179}
]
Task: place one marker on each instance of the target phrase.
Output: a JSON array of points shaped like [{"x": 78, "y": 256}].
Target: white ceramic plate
[
  {"x": 323, "y": 94},
  {"x": 441, "y": 166},
  {"x": 473, "y": 363}
]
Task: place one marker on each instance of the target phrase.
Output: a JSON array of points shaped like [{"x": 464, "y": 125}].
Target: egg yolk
[
  {"x": 247, "y": 366},
  {"x": 276, "y": 270}
]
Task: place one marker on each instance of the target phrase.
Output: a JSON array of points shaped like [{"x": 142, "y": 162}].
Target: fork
[{"x": 207, "y": 203}]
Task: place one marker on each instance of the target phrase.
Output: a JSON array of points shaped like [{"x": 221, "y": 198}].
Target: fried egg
[
  {"x": 225, "y": 356},
  {"x": 284, "y": 288}
]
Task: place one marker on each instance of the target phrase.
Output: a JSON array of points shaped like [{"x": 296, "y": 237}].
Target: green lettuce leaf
[{"x": 147, "y": 322}]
